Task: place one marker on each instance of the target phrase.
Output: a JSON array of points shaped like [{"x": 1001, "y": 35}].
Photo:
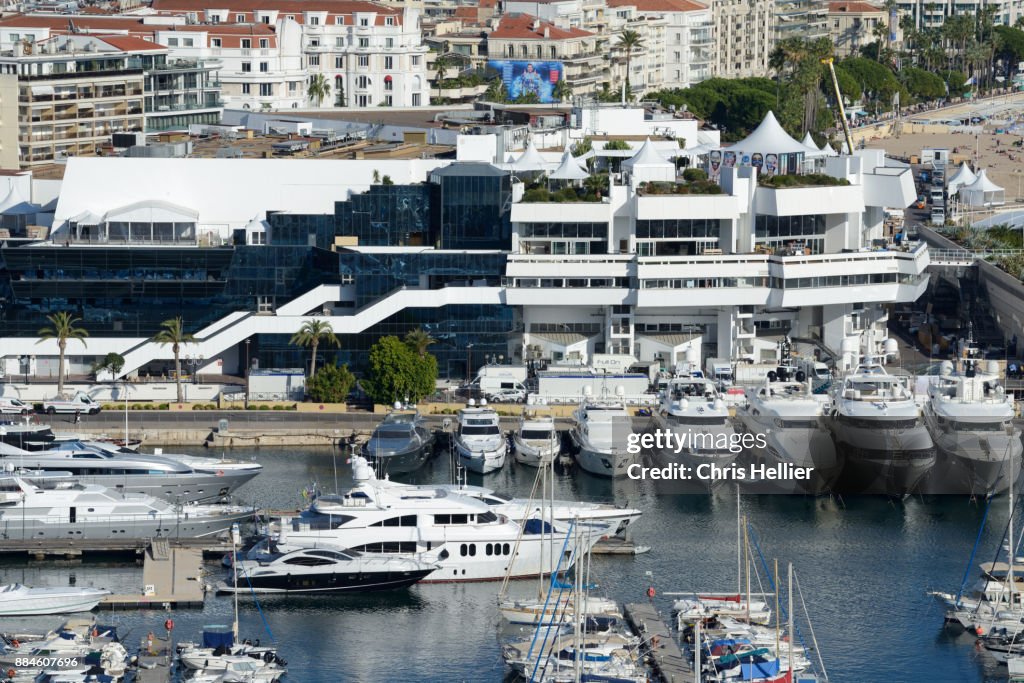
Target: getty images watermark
[{"x": 703, "y": 444}]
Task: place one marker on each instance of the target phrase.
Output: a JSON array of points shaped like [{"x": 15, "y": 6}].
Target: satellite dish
[
  {"x": 398, "y": 405},
  {"x": 992, "y": 367},
  {"x": 684, "y": 404},
  {"x": 945, "y": 368},
  {"x": 891, "y": 347},
  {"x": 719, "y": 404},
  {"x": 483, "y": 401},
  {"x": 691, "y": 355},
  {"x": 620, "y": 390},
  {"x": 588, "y": 390},
  {"x": 471, "y": 403}
]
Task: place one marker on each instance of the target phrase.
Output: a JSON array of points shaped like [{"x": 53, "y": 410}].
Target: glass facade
[
  {"x": 474, "y": 202},
  {"x": 394, "y": 215},
  {"x": 778, "y": 232}
]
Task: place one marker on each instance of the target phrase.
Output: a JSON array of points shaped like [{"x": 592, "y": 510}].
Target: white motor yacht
[
  {"x": 479, "y": 442},
  {"x": 879, "y": 432},
  {"x": 19, "y": 600},
  {"x": 600, "y": 434},
  {"x": 786, "y": 421},
  {"x": 536, "y": 441}
]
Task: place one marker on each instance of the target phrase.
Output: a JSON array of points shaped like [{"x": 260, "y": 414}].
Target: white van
[
  {"x": 15, "y": 406},
  {"x": 938, "y": 216}
]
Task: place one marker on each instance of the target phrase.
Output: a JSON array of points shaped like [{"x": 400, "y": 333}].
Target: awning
[{"x": 38, "y": 90}]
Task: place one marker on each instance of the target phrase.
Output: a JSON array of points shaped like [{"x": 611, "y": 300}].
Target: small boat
[
  {"x": 536, "y": 441},
  {"x": 19, "y": 600},
  {"x": 240, "y": 669},
  {"x": 310, "y": 570},
  {"x": 400, "y": 444},
  {"x": 219, "y": 648},
  {"x": 479, "y": 442}
]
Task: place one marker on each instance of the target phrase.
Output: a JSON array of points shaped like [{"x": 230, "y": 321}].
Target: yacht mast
[
  {"x": 739, "y": 544},
  {"x": 792, "y": 634},
  {"x": 234, "y": 567},
  {"x": 1011, "y": 540}
]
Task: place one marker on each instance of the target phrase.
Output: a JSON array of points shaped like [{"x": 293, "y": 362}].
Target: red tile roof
[
  {"x": 61, "y": 22},
  {"x": 526, "y": 27},
  {"x": 660, "y": 5},
  {"x": 130, "y": 43},
  {"x": 285, "y": 6},
  {"x": 853, "y": 7}
]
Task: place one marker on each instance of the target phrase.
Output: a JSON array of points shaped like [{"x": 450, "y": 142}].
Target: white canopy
[
  {"x": 569, "y": 169},
  {"x": 963, "y": 176},
  {"x": 530, "y": 160},
  {"x": 812, "y": 147},
  {"x": 15, "y": 204},
  {"x": 647, "y": 164},
  {"x": 829, "y": 150},
  {"x": 87, "y": 218},
  {"x": 982, "y": 192},
  {"x": 769, "y": 138},
  {"x": 153, "y": 211}
]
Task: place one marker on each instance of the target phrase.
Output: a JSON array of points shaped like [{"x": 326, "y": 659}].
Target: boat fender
[
  {"x": 15, "y": 643},
  {"x": 169, "y": 624},
  {"x": 11, "y": 673},
  {"x": 979, "y": 631},
  {"x": 654, "y": 641},
  {"x": 651, "y": 592}
]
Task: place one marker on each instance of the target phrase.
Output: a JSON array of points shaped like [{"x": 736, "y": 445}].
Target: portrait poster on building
[{"x": 522, "y": 77}]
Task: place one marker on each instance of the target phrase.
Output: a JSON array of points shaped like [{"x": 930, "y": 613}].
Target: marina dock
[
  {"x": 171, "y": 577},
  {"x": 661, "y": 647},
  {"x": 42, "y": 549}
]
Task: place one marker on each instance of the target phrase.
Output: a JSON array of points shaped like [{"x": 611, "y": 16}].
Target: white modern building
[
  {"x": 689, "y": 40},
  {"x": 646, "y": 269}
]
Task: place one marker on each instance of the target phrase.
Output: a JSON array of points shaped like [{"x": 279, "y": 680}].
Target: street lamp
[{"x": 247, "y": 369}]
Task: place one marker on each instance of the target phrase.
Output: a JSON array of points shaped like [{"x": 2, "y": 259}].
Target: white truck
[
  {"x": 569, "y": 384},
  {"x": 79, "y": 403},
  {"x": 491, "y": 379},
  {"x": 14, "y": 406},
  {"x": 719, "y": 371}
]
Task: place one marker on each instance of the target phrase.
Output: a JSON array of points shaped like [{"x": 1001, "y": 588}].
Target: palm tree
[
  {"x": 441, "y": 67},
  {"x": 173, "y": 333},
  {"x": 630, "y": 40},
  {"x": 419, "y": 340},
  {"x": 563, "y": 90},
  {"x": 496, "y": 92},
  {"x": 319, "y": 89},
  {"x": 62, "y": 328},
  {"x": 310, "y": 335}
]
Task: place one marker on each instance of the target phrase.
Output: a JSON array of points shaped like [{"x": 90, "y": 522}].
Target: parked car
[
  {"x": 79, "y": 403},
  {"x": 14, "y": 406},
  {"x": 507, "y": 396}
]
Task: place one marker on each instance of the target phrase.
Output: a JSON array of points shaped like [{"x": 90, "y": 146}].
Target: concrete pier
[
  {"x": 660, "y": 646},
  {"x": 171, "y": 577}
]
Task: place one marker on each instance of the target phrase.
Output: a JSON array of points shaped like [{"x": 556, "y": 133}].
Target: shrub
[
  {"x": 198, "y": 407},
  {"x": 692, "y": 174},
  {"x": 264, "y": 407},
  {"x": 278, "y": 408},
  {"x": 164, "y": 406},
  {"x": 805, "y": 180}
]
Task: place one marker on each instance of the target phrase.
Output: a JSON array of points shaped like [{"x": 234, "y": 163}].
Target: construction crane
[{"x": 839, "y": 101}]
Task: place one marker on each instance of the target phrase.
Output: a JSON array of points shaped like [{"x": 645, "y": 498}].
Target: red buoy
[{"x": 650, "y": 592}]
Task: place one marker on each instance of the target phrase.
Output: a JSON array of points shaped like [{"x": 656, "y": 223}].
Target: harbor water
[{"x": 864, "y": 566}]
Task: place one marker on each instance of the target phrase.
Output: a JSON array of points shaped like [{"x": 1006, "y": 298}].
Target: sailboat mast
[
  {"x": 778, "y": 617},
  {"x": 1011, "y": 540},
  {"x": 234, "y": 567},
  {"x": 746, "y": 557},
  {"x": 739, "y": 544},
  {"x": 792, "y": 633}
]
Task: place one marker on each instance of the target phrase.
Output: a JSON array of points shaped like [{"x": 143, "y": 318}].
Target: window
[
  {"x": 239, "y": 18},
  {"x": 404, "y": 520},
  {"x": 15, "y": 37},
  {"x": 172, "y": 42},
  {"x": 293, "y": 86},
  {"x": 264, "y": 43},
  {"x": 339, "y": 62},
  {"x": 308, "y": 561},
  {"x": 415, "y": 60},
  {"x": 388, "y": 83},
  {"x": 444, "y": 520},
  {"x": 291, "y": 17},
  {"x": 467, "y": 549},
  {"x": 246, "y": 44},
  {"x": 389, "y": 63},
  {"x": 215, "y": 42},
  {"x": 266, "y": 89},
  {"x": 188, "y": 42},
  {"x": 415, "y": 99},
  {"x": 363, "y": 82},
  {"x": 246, "y": 89},
  {"x": 340, "y": 21},
  {"x": 389, "y": 42},
  {"x": 215, "y": 19},
  {"x": 524, "y": 50},
  {"x": 314, "y": 21},
  {"x": 314, "y": 60},
  {"x": 406, "y": 547},
  {"x": 389, "y": 21},
  {"x": 389, "y": 100},
  {"x": 364, "y": 60},
  {"x": 264, "y": 67},
  {"x": 246, "y": 67},
  {"x": 364, "y": 42},
  {"x": 339, "y": 42},
  {"x": 363, "y": 21},
  {"x": 265, "y": 18}
]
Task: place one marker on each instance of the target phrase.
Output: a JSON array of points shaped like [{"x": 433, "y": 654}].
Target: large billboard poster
[{"x": 521, "y": 76}]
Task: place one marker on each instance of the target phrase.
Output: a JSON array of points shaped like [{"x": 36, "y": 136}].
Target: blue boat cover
[
  {"x": 755, "y": 670},
  {"x": 217, "y": 638},
  {"x": 536, "y": 526}
]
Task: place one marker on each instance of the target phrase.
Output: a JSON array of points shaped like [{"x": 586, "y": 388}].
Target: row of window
[
  {"x": 679, "y": 228},
  {"x": 490, "y": 549},
  {"x": 530, "y": 282},
  {"x": 339, "y": 20},
  {"x": 563, "y": 229},
  {"x": 789, "y": 226}
]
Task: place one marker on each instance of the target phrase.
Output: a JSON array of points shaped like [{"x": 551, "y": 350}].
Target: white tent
[
  {"x": 964, "y": 176},
  {"x": 769, "y": 138},
  {"x": 829, "y": 150},
  {"x": 530, "y": 160},
  {"x": 812, "y": 147},
  {"x": 15, "y": 204},
  {"x": 982, "y": 192},
  {"x": 647, "y": 165},
  {"x": 568, "y": 169}
]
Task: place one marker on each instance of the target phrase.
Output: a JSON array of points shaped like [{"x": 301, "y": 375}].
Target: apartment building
[
  {"x": 533, "y": 55},
  {"x": 852, "y": 24},
  {"x": 927, "y": 14},
  {"x": 73, "y": 93},
  {"x": 745, "y": 36},
  {"x": 689, "y": 40},
  {"x": 804, "y": 19},
  {"x": 647, "y": 62},
  {"x": 370, "y": 54}
]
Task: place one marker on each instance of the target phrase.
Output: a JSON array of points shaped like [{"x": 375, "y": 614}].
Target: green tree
[
  {"x": 173, "y": 333},
  {"x": 629, "y": 41},
  {"x": 318, "y": 90},
  {"x": 496, "y": 92},
  {"x": 922, "y": 84},
  {"x": 596, "y": 184},
  {"x": 330, "y": 384},
  {"x": 397, "y": 373},
  {"x": 112, "y": 362},
  {"x": 309, "y": 336},
  {"x": 528, "y": 98},
  {"x": 958, "y": 30},
  {"x": 419, "y": 340},
  {"x": 617, "y": 145},
  {"x": 441, "y": 67},
  {"x": 62, "y": 328},
  {"x": 563, "y": 90}
]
